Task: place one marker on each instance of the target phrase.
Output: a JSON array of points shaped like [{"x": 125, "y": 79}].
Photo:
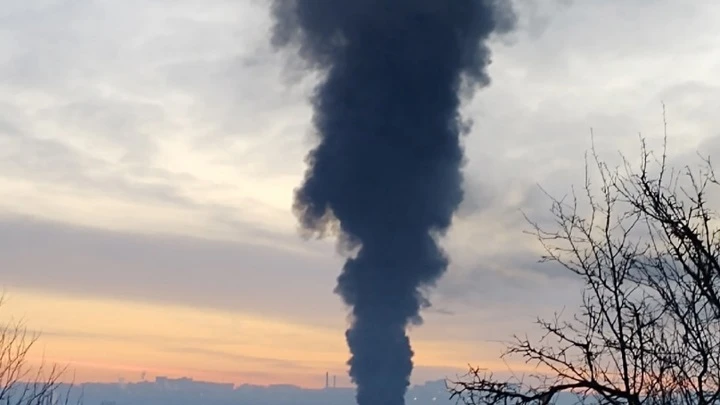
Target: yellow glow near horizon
[
  {"x": 105, "y": 340},
  {"x": 129, "y": 337}
]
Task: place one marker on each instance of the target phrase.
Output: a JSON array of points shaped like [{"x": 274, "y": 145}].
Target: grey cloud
[
  {"x": 498, "y": 276},
  {"x": 535, "y": 16},
  {"x": 64, "y": 44},
  {"x": 481, "y": 276},
  {"x": 240, "y": 358},
  {"x": 154, "y": 268},
  {"x": 120, "y": 123},
  {"x": 145, "y": 339},
  {"x": 479, "y": 196},
  {"x": 440, "y": 311},
  {"x": 710, "y": 148},
  {"x": 533, "y": 122},
  {"x": 233, "y": 84},
  {"x": 694, "y": 102},
  {"x": 239, "y": 99},
  {"x": 205, "y": 68},
  {"x": 125, "y": 74},
  {"x": 559, "y": 34},
  {"x": 499, "y": 298},
  {"x": 515, "y": 278},
  {"x": 58, "y": 166}
]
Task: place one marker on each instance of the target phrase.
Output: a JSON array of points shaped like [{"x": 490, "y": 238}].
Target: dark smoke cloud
[{"x": 386, "y": 175}]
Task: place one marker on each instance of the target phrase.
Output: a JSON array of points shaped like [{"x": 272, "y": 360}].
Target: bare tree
[
  {"x": 646, "y": 246},
  {"x": 20, "y": 383}
]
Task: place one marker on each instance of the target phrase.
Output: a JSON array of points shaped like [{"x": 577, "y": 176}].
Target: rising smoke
[{"x": 386, "y": 174}]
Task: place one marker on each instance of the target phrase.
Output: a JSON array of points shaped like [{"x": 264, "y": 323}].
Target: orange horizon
[
  {"x": 79, "y": 372},
  {"x": 95, "y": 373},
  {"x": 105, "y": 341}
]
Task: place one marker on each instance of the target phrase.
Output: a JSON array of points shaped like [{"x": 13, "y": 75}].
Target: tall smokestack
[
  {"x": 386, "y": 174},
  {"x": 327, "y": 379}
]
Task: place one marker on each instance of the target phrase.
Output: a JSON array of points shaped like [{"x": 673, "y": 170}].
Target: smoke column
[{"x": 386, "y": 174}]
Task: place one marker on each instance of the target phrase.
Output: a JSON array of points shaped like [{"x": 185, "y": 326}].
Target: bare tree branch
[
  {"x": 21, "y": 384},
  {"x": 646, "y": 245}
]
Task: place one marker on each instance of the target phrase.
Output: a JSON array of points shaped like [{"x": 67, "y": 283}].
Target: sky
[{"x": 149, "y": 151}]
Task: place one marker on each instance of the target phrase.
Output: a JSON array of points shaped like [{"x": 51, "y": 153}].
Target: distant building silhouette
[
  {"x": 185, "y": 384},
  {"x": 186, "y": 391}
]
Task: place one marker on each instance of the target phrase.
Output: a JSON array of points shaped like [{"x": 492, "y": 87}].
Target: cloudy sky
[{"x": 149, "y": 150}]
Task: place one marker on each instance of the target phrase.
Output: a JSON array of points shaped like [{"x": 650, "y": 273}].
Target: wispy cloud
[{"x": 149, "y": 153}]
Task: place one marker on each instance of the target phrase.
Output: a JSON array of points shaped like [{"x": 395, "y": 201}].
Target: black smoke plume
[{"x": 386, "y": 175}]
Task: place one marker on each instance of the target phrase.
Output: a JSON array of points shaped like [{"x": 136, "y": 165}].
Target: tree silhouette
[
  {"x": 646, "y": 246},
  {"x": 21, "y": 384}
]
